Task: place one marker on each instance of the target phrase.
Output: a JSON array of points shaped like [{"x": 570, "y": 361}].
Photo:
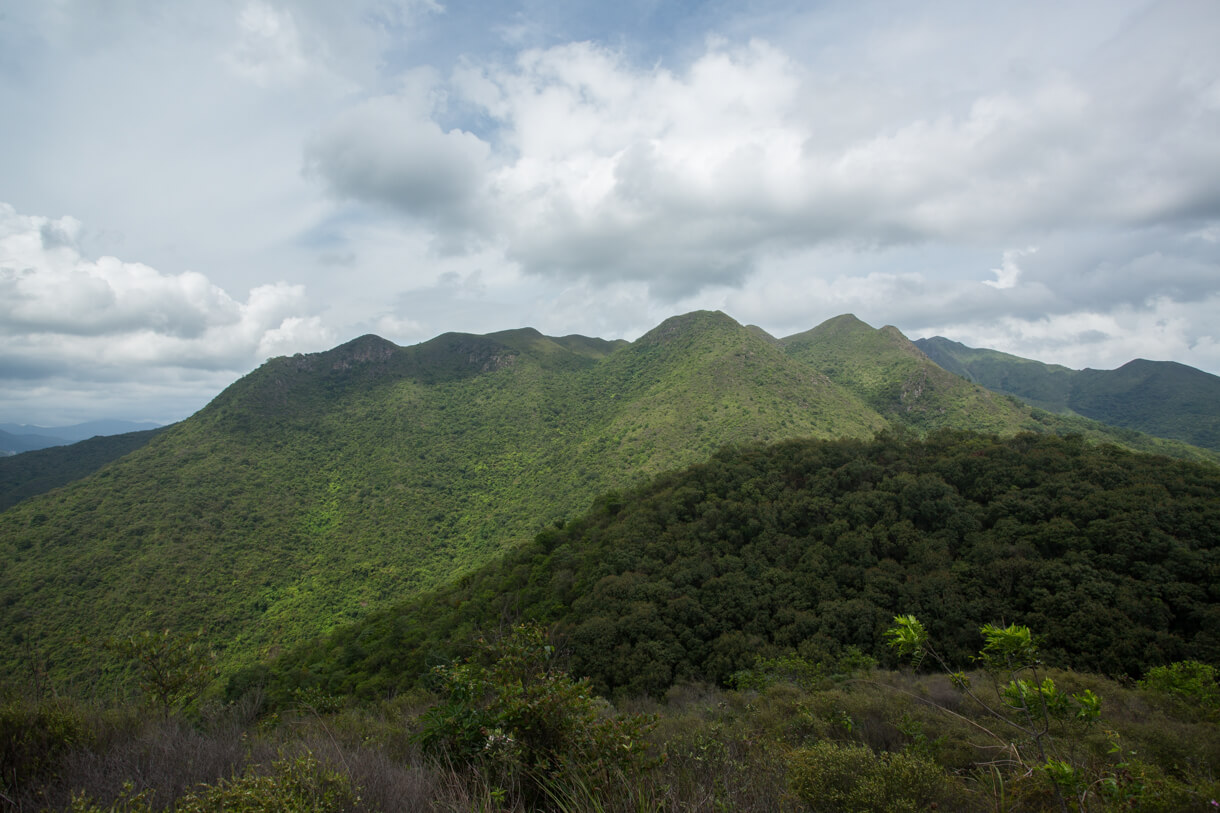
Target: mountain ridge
[
  {"x": 322, "y": 486},
  {"x": 1163, "y": 398}
]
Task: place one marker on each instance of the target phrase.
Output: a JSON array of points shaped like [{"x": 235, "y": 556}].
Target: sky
[{"x": 190, "y": 188}]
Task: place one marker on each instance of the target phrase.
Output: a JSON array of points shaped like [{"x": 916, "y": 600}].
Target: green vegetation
[
  {"x": 1028, "y": 717},
  {"x": 944, "y": 390},
  {"x": 812, "y": 547},
  {"x": 526, "y": 724},
  {"x": 171, "y": 670},
  {"x": 508, "y": 730},
  {"x": 892, "y": 376},
  {"x": 322, "y": 488},
  {"x": 516, "y": 572},
  {"x": 37, "y": 472},
  {"x": 301, "y": 784},
  {"x": 1161, "y": 398}
]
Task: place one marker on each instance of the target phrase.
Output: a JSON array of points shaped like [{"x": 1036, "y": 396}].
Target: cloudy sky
[{"x": 189, "y": 188}]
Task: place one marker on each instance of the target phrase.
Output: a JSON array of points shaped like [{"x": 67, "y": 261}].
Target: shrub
[
  {"x": 849, "y": 778},
  {"x": 172, "y": 670},
  {"x": 301, "y": 784},
  {"x": 34, "y": 736},
  {"x": 1189, "y": 682},
  {"x": 511, "y": 712}
]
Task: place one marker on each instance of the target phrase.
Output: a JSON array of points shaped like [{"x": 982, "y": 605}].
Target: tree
[{"x": 173, "y": 670}]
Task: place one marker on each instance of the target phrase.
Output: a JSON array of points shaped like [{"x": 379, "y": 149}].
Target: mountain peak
[
  {"x": 690, "y": 324},
  {"x": 362, "y": 349},
  {"x": 844, "y": 322}
]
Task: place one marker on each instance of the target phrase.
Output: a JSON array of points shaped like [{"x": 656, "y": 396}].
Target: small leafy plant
[{"x": 1024, "y": 704}]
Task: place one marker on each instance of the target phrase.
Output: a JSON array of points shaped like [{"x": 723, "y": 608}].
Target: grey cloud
[
  {"x": 1107, "y": 269},
  {"x": 634, "y": 201},
  {"x": 385, "y": 152},
  {"x": 60, "y": 397},
  {"x": 57, "y": 234}
]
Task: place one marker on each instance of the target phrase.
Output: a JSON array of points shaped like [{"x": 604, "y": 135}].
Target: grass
[{"x": 878, "y": 740}]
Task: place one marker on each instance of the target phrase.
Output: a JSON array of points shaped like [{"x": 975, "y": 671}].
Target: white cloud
[
  {"x": 268, "y": 50},
  {"x": 395, "y": 327},
  {"x": 1007, "y": 275},
  {"x": 68, "y": 312},
  {"x": 603, "y": 170}
]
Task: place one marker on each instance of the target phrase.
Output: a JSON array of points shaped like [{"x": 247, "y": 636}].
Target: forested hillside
[
  {"x": 39, "y": 471},
  {"x": 1161, "y": 398},
  {"x": 811, "y": 547},
  {"x": 322, "y": 487}
]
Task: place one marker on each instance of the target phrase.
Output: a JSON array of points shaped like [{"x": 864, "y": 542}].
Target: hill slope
[
  {"x": 320, "y": 487},
  {"x": 893, "y": 376},
  {"x": 1161, "y": 398},
  {"x": 810, "y": 547},
  {"x": 36, "y": 472}
]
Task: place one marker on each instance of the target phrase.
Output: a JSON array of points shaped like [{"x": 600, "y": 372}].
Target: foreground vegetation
[{"x": 507, "y": 729}]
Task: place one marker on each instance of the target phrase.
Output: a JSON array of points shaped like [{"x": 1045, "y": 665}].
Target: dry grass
[{"x": 722, "y": 750}]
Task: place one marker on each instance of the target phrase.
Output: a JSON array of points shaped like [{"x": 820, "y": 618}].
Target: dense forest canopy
[{"x": 813, "y": 546}]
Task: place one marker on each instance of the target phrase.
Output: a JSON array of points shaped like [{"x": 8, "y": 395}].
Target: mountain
[
  {"x": 814, "y": 546},
  {"x": 320, "y": 487},
  {"x": 14, "y": 443},
  {"x": 1161, "y": 398},
  {"x": 36, "y": 472},
  {"x": 894, "y": 377},
  {"x": 23, "y": 437}
]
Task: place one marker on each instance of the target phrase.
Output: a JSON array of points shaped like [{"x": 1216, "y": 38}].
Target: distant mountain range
[
  {"x": 320, "y": 487},
  {"x": 16, "y": 438},
  {"x": 1161, "y": 398}
]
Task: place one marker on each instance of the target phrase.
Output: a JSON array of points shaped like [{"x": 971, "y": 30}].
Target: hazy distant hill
[
  {"x": 23, "y": 437},
  {"x": 321, "y": 486},
  {"x": 1161, "y": 398},
  {"x": 11, "y": 443}
]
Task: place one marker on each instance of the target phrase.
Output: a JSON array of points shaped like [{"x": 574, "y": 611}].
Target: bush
[
  {"x": 301, "y": 784},
  {"x": 849, "y": 778},
  {"x": 34, "y": 736},
  {"x": 513, "y": 714},
  {"x": 1191, "y": 683}
]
